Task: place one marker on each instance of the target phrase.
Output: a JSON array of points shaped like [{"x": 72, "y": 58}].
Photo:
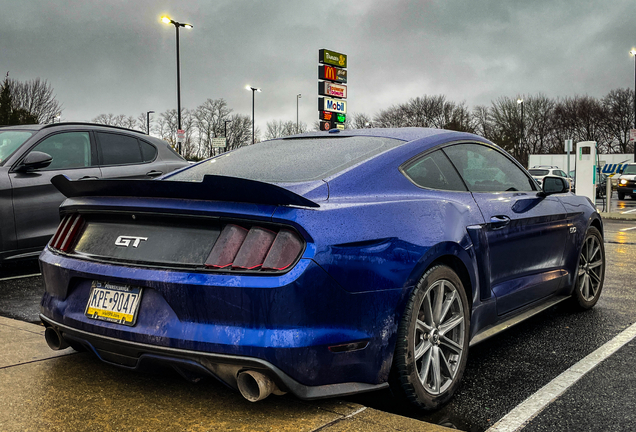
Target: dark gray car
[{"x": 31, "y": 155}]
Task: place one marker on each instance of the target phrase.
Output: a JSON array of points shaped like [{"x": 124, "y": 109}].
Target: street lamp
[
  {"x": 167, "y": 20},
  {"x": 298, "y": 96},
  {"x": 633, "y": 53},
  {"x": 254, "y": 90},
  {"x": 520, "y": 102},
  {"x": 148, "y": 120}
]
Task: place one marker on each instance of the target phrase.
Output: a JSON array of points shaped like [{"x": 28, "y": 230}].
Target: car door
[
  {"x": 525, "y": 233},
  {"x": 35, "y": 199},
  {"x": 125, "y": 156}
]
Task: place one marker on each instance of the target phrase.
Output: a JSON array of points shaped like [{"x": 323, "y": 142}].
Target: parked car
[
  {"x": 322, "y": 264},
  {"x": 538, "y": 172},
  {"x": 626, "y": 184},
  {"x": 33, "y": 154}
]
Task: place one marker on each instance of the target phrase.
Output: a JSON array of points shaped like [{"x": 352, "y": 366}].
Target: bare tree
[
  {"x": 210, "y": 120},
  {"x": 280, "y": 128},
  {"x": 619, "y": 109},
  {"x": 37, "y": 98},
  {"x": 358, "y": 121}
]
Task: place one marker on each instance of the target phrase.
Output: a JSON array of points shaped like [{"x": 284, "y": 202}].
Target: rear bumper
[
  {"x": 285, "y": 324},
  {"x": 132, "y": 355}
]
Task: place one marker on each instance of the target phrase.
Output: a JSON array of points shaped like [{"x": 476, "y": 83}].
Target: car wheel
[
  {"x": 591, "y": 270},
  {"x": 621, "y": 196},
  {"x": 432, "y": 345}
]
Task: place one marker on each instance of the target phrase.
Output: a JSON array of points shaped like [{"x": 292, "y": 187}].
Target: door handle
[
  {"x": 498, "y": 222},
  {"x": 89, "y": 178},
  {"x": 154, "y": 173}
]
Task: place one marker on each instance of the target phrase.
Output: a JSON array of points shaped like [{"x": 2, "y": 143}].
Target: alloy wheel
[
  {"x": 439, "y": 336},
  {"x": 590, "y": 274}
]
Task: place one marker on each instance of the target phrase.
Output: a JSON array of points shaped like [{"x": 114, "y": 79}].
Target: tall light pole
[
  {"x": 520, "y": 102},
  {"x": 148, "y": 120},
  {"x": 254, "y": 90},
  {"x": 633, "y": 53},
  {"x": 176, "y": 24},
  {"x": 298, "y": 96}
]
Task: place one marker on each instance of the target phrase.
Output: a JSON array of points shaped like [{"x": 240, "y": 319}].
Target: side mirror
[
  {"x": 553, "y": 185},
  {"x": 35, "y": 160}
]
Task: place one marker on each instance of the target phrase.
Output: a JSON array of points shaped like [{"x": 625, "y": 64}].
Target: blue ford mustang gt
[{"x": 322, "y": 264}]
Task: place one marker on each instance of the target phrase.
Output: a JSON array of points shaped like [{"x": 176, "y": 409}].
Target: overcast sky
[{"x": 116, "y": 57}]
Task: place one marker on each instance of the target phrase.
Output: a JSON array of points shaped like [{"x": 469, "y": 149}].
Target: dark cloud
[{"x": 116, "y": 57}]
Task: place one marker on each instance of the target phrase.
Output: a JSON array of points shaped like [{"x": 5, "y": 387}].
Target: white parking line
[
  {"x": 516, "y": 419},
  {"x": 628, "y": 229},
  {"x": 629, "y": 211},
  {"x": 20, "y": 277}
]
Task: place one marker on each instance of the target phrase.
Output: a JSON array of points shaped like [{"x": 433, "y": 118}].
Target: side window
[
  {"x": 68, "y": 150},
  {"x": 485, "y": 169},
  {"x": 561, "y": 173},
  {"x": 118, "y": 149},
  {"x": 434, "y": 171},
  {"x": 148, "y": 151}
]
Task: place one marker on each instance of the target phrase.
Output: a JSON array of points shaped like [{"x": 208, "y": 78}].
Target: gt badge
[{"x": 125, "y": 241}]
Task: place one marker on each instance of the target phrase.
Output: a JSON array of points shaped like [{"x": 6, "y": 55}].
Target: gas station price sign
[
  {"x": 333, "y": 116},
  {"x": 332, "y": 105}
]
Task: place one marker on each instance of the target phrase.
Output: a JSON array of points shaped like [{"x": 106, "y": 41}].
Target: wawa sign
[
  {"x": 328, "y": 104},
  {"x": 331, "y": 89}
]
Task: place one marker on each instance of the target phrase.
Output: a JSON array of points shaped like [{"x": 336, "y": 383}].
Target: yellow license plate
[{"x": 113, "y": 303}]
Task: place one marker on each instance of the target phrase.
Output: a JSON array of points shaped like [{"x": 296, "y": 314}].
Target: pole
[
  {"x": 178, "y": 87},
  {"x": 568, "y": 145},
  {"x": 298, "y": 96},
  {"x": 253, "y": 138},
  {"x": 522, "y": 129},
  {"x": 635, "y": 103}
]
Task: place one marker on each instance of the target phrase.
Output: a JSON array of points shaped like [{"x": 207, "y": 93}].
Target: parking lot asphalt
[{"x": 44, "y": 390}]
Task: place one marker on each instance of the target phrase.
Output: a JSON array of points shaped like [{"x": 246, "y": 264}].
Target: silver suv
[{"x": 538, "y": 172}]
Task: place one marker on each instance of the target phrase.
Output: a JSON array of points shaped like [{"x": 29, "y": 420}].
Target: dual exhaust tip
[{"x": 253, "y": 386}]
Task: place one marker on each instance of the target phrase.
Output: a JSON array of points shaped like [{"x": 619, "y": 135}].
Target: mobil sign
[{"x": 328, "y": 104}]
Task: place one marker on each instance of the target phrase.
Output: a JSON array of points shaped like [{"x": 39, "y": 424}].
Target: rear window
[
  {"x": 539, "y": 172},
  {"x": 291, "y": 160},
  {"x": 10, "y": 141}
]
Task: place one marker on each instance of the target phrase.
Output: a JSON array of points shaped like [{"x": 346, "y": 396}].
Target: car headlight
[{"x": 623, "y": 181}]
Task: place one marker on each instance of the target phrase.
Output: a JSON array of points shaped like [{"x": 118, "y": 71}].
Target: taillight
[
  {"x": 67, "y": 232},
  {"x": 256, "y": 248}
]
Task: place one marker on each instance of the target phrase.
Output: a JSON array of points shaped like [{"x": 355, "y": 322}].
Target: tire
[
  {"x": 590, "y": 270},
  {"x": 621, "y": 195},
  {"x": 432, "y": 346}
]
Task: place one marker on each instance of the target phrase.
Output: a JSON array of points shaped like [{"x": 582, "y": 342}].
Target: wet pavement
[
  {"x": 47, "y": 390},
  {"x": 44, "y": 390}
]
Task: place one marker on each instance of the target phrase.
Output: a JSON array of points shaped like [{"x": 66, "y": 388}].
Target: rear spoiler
[{"x": 213, "y": 188}]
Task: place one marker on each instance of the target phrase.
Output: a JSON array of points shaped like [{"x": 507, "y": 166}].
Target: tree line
[{"x": 542, "y": 128}]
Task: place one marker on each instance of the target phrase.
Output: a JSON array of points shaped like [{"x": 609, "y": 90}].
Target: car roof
[
  {"x": 404, "y": 134},
  {"x": 38, "y": 127}
]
